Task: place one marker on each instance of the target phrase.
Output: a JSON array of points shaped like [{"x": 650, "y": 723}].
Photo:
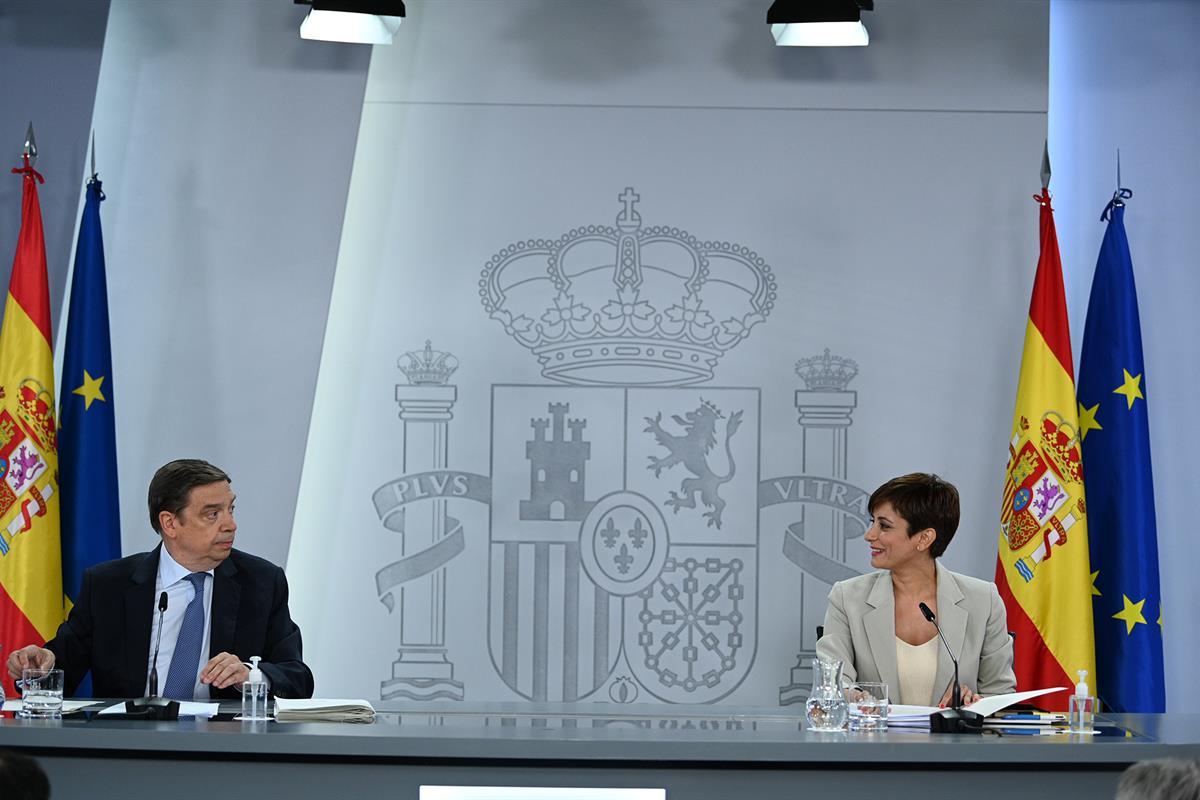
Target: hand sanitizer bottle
[
  {"x": 1082, "y": 707},
  {"x": 254, "y": 694}
]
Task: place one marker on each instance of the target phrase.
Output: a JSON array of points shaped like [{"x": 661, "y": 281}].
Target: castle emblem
[{"x": 557, "y": 467}]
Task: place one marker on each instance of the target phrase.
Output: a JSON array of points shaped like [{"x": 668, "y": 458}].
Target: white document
[
  {"x": 918, "y": 716},
  {"x": 187, "y": 708},
  {"x": 69, "y": 706}
]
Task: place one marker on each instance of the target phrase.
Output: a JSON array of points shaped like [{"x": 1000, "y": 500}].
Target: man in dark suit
[{"x": 231, "y": 601}]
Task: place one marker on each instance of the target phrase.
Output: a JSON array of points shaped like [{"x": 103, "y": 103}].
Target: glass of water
[
  {"x": 41, "y": 693},
  {"x": 867, "y": 704}
]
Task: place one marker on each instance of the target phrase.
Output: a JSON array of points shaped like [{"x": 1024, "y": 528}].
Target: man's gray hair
[{"x": 1163, "y": 779}]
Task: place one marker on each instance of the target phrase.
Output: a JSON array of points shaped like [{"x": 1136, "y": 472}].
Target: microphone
[
  {"x": 956, "y": 692},
  {"x": 152, "y": 706},
  {"x": 953, "y": 719},
  {"x": 162, "y": 610}
]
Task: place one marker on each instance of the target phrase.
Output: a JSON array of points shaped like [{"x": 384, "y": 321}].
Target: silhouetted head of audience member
[
  {"x": 1163, "y": 779},
  {"x": 21, "y": 778}
]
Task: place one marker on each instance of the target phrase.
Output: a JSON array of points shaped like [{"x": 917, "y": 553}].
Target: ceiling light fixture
[
  {"x": 353, "y": 21},
  {"x": 819, "y": 23}
]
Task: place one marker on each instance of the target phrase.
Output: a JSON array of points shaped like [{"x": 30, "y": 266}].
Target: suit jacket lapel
[
  {"x": 139, "y": 620},
  {"x": 952, "y": 618},
  {"x": 880, "y": 622},
  {"x": 227, "y": 593}
]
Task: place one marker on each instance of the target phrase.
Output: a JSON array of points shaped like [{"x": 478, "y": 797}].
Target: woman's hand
[{"x": 968, "y": 696}]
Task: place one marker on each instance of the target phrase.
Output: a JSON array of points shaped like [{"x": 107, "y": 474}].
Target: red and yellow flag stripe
[
  {"x": 31, "y": 594},
  {"x": 1043, "y": 570}
]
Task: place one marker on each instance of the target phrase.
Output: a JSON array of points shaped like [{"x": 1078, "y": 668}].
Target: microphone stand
[
  {"x": 152, "y": 706},
  {"x": 954, "y": 719}
]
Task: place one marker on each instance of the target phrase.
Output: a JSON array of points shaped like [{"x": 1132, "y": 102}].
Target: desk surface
[
  {"x": 698, "y": 753},
  {"x": 680, "y": 735}
]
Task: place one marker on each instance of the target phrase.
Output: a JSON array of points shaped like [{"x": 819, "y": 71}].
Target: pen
[{"x": 1038, "y": 717}]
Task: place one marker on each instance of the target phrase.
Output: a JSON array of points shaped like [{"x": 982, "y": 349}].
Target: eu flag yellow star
[
  {"x": 1095, "y": 591},
  {"x": 1131, "y": 388},
  {"x": 1131, "y": 614},
  {"x": 1087, "y": 420},
  {"x": 90, "y": 390}
]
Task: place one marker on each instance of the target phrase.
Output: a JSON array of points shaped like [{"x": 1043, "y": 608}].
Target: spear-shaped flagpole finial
[
  {"x": 30, "y": 148},
  {"x": 1119, "y": 196},
  {"x": 1046, "y": 165}
]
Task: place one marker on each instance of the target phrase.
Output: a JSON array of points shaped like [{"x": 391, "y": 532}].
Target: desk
[{"x": 696, "y": 753}]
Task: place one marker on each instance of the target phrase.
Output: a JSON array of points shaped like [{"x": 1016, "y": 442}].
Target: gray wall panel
[
  {"x": 50, "y": 57},
  {"x": 231, "y": 140},
  {"x": 897, "y": 237},
  {"x": 1124, "y": 76},
  {"x": 924, "y": 54}
]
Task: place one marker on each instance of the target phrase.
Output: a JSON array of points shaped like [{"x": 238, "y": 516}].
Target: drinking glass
[
  {"x": 867, "y": 703},
  {"x": 41, "y": 693}
]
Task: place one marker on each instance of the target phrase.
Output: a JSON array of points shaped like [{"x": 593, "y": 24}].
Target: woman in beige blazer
[{"x": 874, "y": 624}]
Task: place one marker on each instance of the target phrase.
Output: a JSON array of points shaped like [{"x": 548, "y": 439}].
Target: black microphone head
[
  {"x": 925, "y": 610},
  {"x": 162, "y": 602}
]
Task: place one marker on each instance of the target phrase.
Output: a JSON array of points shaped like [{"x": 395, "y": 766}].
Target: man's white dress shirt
[{"x": 172, "y": 578}]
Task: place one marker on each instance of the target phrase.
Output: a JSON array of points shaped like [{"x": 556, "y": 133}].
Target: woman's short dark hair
[
  {"x": 173, "y": 483},
  {"x": 925, "y": 501}
]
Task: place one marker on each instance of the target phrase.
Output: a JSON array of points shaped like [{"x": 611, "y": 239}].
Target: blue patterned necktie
[{"x": 185, "y": 661}]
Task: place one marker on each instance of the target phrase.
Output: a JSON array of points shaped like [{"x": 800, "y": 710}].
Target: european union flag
[
  {"x": 87, "y": 444},
  {"x": 1120, "y": 490}
]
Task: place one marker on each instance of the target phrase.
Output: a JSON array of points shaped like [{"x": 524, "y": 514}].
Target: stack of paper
[
  {"x": 323, "y": 710},
  {"x": 902, "y": 716}
]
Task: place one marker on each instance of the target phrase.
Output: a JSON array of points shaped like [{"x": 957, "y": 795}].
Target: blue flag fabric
[
  {"x": 1123, "y": 541},
  {"x": 91, "y": 522}
]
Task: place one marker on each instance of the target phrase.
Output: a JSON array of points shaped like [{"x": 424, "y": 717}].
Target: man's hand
[
  {"x": 29, "y": 656},
  {"x": 968, "y": 696},
  {"x": 224, "y": 670}
]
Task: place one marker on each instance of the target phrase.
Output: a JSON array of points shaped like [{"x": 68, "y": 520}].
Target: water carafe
[{"x": 826, "y": 706}]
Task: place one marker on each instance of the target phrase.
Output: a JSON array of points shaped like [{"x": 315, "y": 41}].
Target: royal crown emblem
[
  {"x": 625, "y": 305},
  {"x": 427, "y": 367},
  {"x": 1060, "y": 443},
  {"x": 826, "y": 373},
  {"x": 36, "y": 408}
]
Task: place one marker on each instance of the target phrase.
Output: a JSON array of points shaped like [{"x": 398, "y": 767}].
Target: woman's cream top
[{"x": 917, "y": 665}]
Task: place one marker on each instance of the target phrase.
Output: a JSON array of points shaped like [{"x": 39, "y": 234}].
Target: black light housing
[
  {"x": 354, "y": 21},
  {"x": 819, "y": 23}
]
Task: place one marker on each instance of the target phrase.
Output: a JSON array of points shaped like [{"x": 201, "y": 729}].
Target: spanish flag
[
  {"x": 1042, "y": 569},
  {"x": 31, "y": 592}
]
